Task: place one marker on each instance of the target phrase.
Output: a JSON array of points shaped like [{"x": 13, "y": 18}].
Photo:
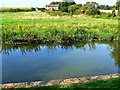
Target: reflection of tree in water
[
  {"x": 8, "y": 49},
  {"x": 116, "y": 53}
]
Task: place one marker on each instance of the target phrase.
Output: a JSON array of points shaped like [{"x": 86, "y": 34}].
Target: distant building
[{"x": 52, "y": 7}]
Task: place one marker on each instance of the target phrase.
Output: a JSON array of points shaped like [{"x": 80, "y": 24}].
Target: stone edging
[{"x": 58, "y": 82}]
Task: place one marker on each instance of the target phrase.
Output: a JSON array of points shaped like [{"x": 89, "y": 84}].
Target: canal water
[{"x": 43, "y": 62}]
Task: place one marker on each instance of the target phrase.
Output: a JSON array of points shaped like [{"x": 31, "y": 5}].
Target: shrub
[
  {"x": 63, "y": 6},
  {"x": 72, "y": 9},
  {"x": 64, "y": 9},
  {"x": 113, "y": 13},
  {"x": 88, "y": 10}
]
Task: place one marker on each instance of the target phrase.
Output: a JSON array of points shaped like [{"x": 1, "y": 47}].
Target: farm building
[{"x": 56, "y": 6}]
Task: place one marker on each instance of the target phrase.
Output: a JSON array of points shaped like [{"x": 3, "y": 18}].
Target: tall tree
[
  {"x": 65, "y": 5},
  {"x": 72, "y": 8},
  {"x": 117, "y": 4},
  {"x": 55, "y": 3}
]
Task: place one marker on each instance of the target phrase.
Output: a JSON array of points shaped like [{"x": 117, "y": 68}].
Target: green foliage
[
  {"x": 106, "y": 7},
  {"x": 113, "y": 13},
  {"x": 88, "y": 10},
  {"x": 54, "y": 3},
  {"x": 92, "y": 11},
  {"x": 72, "y": 9},
  {"x": 64, "y": 9},
  {"x": 79, "y": 5},
  {"x": 117, "y": 4},
  {"x": 78, "y": 11},
  {"x": 63, "y": 6},
  {"x": 109, "y": 14}
]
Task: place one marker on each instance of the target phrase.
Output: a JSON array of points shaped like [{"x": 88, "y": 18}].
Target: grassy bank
[
  {"x": 42, "y": 28},
  {"x": 111, "y": 84}
]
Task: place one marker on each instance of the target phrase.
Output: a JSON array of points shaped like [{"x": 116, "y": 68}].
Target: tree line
[{"x": 89, "y": 8}]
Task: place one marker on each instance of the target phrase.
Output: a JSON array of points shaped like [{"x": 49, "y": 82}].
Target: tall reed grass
[{"x": 60, "y": 32}]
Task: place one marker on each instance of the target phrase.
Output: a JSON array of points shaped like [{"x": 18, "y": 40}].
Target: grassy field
[
  {"x": 108, "y": 84},
  {"x": 42, "y": 27}
]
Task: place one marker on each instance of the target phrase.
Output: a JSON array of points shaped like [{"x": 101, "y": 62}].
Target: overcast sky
[{"x": 41, "y": 3}]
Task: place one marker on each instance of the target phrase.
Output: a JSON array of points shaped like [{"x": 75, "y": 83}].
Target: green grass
[
  {"x": 15, "y": 18},
  {"x": 107, "y": 84},
  {"x": 32, "y": 26}
]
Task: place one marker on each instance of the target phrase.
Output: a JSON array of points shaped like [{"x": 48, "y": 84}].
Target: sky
[{"x": 41, "y": 3}]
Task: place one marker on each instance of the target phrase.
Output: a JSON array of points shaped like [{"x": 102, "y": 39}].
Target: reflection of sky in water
[{"x": 58, "y": 63}]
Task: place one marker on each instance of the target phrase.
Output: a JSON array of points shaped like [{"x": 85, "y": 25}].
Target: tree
[
  {"x": 55, "y": 3},
  {"x": 64, "y": 9},
  {"x": 63, "y": 6},
  {"x": 88, "y": 10},
  {"x": 113, "y": 13},
  {"x": 102, "y": 6},
  {"x": 107, "y": 7},
  {"x": 117, "y": 4},
  {"x": 72, "y": 8},
  {"x": 83, "y": 9},
  {"x": 80, "y": 5},
  {"x": 92, "y": 11}
]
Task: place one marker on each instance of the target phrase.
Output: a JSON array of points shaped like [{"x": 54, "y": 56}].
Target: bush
[
  {"x": 113, "y": 13},
  {"x": 72, "y": 9},
  {"x": 97, "y": 16},
  {"x": 109, "y": 15},
  {"x": 78, "y": 11},
  {"x": 64, "y": 9},
  {"x": 63, "y": 6},
  {"x": 88, "y": 10}
]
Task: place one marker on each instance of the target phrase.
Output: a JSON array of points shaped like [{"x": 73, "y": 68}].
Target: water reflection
[
  {"x": 9, "y": 49},
  {"x": 54, "y": 61},
  {"x": 112, "y": 46}
]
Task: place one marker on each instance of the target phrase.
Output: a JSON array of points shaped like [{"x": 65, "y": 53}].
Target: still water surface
[{"x": 35, "y": 62}]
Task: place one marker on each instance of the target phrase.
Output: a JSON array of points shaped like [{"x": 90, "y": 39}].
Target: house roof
[{"x": 51, "y": 5}]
